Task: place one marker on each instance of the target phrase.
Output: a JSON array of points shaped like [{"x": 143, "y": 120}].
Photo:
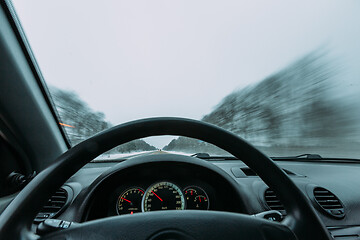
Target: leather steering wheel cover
[{"x": 16, "y": 220}]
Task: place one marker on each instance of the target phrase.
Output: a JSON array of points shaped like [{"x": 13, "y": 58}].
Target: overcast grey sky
[{"x": 136, "y": 59}]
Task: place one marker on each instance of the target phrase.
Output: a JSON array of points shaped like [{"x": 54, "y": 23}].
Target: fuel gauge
[
  {"x": 196, "y": 198},
  {"x": 201, "y": 202}
]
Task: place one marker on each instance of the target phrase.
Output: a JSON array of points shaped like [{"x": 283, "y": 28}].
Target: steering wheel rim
[{"x": 16, "y": 220}]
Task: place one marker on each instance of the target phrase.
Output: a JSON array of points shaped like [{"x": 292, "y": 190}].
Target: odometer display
[{"x": 163, "y": 196}]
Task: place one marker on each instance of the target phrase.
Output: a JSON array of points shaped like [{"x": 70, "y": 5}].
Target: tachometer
[
  {"x": 163, "y": 196},
  {"x": 130, "y": 201},
  {"x": 196, "y": 198}
]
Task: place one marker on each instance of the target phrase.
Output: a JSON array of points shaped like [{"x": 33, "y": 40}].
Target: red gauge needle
[
  {"x": 157, "y": 196},
  {"x": 126, "y": 200},
  {"x": 199, "y": 199}
]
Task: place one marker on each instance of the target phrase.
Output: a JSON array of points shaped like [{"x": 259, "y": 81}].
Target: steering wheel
[{"x": 301, "y": 222}]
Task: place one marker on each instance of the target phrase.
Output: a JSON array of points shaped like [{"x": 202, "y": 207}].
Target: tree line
[{"x": 81, "y": 122}]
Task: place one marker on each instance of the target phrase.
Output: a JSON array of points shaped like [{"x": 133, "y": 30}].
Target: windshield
[{"x": 284, "y": 75}]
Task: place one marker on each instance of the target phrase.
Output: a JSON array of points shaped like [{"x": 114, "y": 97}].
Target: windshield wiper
[
  {"x": 307, "y": 157},
  {"x": 316, "y": 158},
  {"x": 207, "y": 156},
  {"x": 302, "y": 156}
]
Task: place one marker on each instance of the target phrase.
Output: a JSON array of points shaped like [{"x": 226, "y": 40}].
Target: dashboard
[
  {"x": 160, "y": 185},
  {"x": 102, "y": 190},
  {"x": 161, "y": 196}
]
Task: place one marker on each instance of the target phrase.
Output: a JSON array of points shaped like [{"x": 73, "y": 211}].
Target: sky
[{"x": 137, "y": 59}]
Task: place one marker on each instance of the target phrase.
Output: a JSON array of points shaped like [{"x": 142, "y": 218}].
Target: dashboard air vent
[
  {"x": 329, "y": 202},
  {"x": 273, "y": 201},
  {"x": 54, "y": 206}
]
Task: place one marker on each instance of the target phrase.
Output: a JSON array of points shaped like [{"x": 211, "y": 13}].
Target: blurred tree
[
  {"x": 81, "y": 122},
  {"x": 294, "y": 107}
]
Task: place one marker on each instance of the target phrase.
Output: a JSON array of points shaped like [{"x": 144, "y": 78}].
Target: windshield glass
[{"x": 284, "y": 75}]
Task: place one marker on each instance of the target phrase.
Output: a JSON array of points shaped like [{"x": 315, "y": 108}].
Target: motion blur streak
[
  {"x": 66, "y": 125},
  {"x": 297, "y": 110}
]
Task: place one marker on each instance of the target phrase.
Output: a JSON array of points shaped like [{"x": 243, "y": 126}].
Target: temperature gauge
[{"x": 196, "y": 198}]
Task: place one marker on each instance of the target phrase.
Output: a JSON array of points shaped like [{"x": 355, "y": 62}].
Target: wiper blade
[
  {"x": 316, "y": 157},
  {"x": 302, "y": 156},
  {"x": 207, "y": 156},
  {"x": 200, "y": 155},
  {"x": 309, "y": 156}
]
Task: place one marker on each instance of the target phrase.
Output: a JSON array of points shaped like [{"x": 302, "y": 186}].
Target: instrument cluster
[{"x": 162, "y": 195}]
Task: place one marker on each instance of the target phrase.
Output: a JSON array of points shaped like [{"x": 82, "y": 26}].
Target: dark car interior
[{"x": 50, "y": 190}]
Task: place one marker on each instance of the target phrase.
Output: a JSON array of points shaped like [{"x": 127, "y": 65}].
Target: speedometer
[{"x": 163, "y": 196}]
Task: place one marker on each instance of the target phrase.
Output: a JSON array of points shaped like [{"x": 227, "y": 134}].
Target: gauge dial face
[
  {"x": 129, "y": 201},
  {"x": 196, "y": 198},
  {"x": 163, "y": 196}
]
